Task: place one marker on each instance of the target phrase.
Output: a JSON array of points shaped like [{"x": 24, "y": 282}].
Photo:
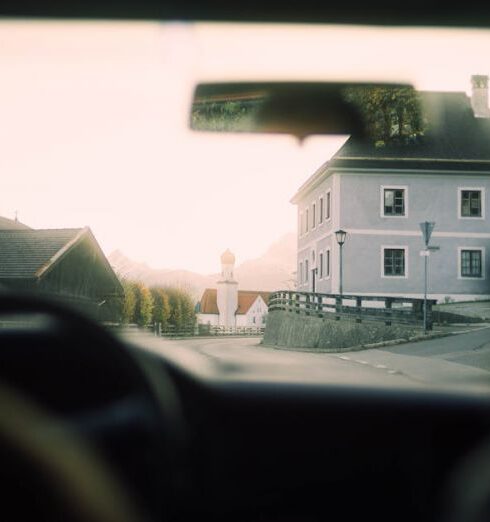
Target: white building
[{"x": 229, "y": 307}]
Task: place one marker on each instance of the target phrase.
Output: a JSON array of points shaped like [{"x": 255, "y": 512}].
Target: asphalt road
[
  {"x": 471, "y": 349},
  {"x": 458, "y": 361}
]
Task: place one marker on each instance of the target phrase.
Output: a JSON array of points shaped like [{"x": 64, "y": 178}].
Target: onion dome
[{"x": 227, "y": 258}]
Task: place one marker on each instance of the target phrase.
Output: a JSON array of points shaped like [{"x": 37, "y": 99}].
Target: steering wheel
[{"x": 83, "y": 433}]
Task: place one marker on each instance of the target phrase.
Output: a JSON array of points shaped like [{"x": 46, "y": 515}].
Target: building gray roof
[
  {"x": 27, "y": 253},
  {"x": 455, "y": 141},
  {"x": 454, "y": 137}
]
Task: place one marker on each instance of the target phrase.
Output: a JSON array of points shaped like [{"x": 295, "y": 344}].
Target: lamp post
[
  {"x": 427, "y": 227},
  {"x": 340, "y": 236}
]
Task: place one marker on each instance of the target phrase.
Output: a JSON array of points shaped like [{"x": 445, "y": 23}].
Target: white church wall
[
  {"x": 256, "y": 313},
  {"x": 211, "y": 319}
]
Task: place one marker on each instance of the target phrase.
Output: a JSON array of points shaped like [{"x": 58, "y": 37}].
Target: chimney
[{"x": 479, "y": 96}]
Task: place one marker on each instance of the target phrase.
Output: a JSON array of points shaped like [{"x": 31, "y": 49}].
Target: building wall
[
  {"x": 83, "y": 278},
  {"x": 363, "y": 267},
  {"x": 357, "y": 208},
  {"x": 318, "y": 237},
  {"x": 212, "y": 319},
  {"x": 431, "y": 197},
  {"x": 241, "y": 320},
  {"x": 256, "y": 313},
  {"x": 314, "y": 233},
  {"x": 227, "y": 300}
]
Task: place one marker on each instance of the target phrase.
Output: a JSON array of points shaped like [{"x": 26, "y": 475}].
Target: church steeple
[
  {"x": 227, "y": 295},
  {"x": 227, "y": 265}
]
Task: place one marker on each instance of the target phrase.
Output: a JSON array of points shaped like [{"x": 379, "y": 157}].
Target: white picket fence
[
  {"x": 237, "y": 330},
  {"x": 206, "y": 330}
]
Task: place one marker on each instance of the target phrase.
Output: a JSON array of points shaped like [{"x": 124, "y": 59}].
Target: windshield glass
[{"x": 110, "y": 199}]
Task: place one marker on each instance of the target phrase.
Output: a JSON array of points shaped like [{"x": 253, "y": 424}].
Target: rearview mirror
[{"x": 301, "y": 109}]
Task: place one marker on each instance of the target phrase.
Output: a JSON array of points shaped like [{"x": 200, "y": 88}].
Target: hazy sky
[{"x": 93, "y": 126}]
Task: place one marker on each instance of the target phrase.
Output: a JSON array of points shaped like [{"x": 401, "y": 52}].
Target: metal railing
[{"x": 390, "y": 310}]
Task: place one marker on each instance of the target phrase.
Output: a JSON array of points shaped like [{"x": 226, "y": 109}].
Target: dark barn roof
[
  {"x": 10, "y": 224},
  {"x": 66, "y": 264},
  {"x": 24, "y": 253}
]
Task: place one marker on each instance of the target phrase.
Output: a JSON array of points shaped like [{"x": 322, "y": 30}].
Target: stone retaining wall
[{"x": 299, "y": 331}]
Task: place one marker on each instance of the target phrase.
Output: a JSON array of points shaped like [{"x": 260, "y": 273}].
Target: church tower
[{"x": 227, "y": 295}]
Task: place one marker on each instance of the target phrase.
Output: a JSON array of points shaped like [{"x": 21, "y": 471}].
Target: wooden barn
[{"x": 66, "y": 264}]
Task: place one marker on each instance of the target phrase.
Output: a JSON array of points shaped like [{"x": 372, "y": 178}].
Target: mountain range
[{"x": 274, "y": 270}]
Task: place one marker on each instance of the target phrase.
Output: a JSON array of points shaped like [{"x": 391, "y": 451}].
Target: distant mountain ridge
[{"x": 274, "y": 270}]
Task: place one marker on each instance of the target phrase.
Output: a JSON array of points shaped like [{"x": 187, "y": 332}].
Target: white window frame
[
  {"x": 321, "y": 260},
  {"x": 307, "y": 272},
  {"x": 328, "y": 198},
  {"x": 460, "y": 195},
  {"x": 321, "y": 210},
  {"x": 307, "y": 220},
  {"x": 382, "y": 201},
  {"x": 301, "y": 224},
  {"x": 301, "y": 273},
  {"x": 476, "y": 248},
  {"x": 390, "y": 247},
  {"x": 313, "y": 215},
  {"x": 328, "y": 255}
]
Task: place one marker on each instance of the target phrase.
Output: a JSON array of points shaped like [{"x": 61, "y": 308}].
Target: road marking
[{"x": 372, "y": 365}]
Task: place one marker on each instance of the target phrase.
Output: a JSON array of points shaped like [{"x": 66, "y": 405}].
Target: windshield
[{"x": 111, "y": 201}]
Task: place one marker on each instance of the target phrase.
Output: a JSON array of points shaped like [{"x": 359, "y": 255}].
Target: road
[
  {"x": 458, "y": 361},
  {"x": 470, "y": 349}
]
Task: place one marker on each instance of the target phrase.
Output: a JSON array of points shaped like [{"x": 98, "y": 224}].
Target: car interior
[{"x": 95, "y": 425}]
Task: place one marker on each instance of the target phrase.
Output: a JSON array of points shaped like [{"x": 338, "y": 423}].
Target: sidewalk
[{"x": 471, "y": 309}]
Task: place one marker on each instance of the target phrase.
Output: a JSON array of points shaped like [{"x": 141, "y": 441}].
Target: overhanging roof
[
  {"x": 26, "y": 254},
  {"x": 455, "y": 141}
]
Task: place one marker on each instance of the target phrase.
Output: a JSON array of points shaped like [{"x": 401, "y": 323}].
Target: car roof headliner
[{"x": 376, "y": 12}]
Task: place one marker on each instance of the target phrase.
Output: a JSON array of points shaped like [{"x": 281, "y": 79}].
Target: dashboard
[{"x": 182, "y": 441}]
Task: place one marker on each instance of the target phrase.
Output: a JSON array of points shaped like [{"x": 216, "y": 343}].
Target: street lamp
[
  {"x": 340, "y": 236},
  {"x": 427, "y": 227}
]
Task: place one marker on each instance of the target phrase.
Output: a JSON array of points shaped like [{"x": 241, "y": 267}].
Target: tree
[
  {"x": 129, "y": 302},
  {"x": 188, "y": 311},
  {"x": 144, "y": 305},
  {"x": 165, "y": 305},
  {"x": 393, "y": 115},
  {"x": 223, "y": 116},
  {"x": 175, "y": 319},
  {"x": 161, "y": 307}
]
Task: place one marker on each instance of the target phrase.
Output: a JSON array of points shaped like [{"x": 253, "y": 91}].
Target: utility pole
[
  {"x": 427, "y": 227},
  {"x": 340, "y": 236}
]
